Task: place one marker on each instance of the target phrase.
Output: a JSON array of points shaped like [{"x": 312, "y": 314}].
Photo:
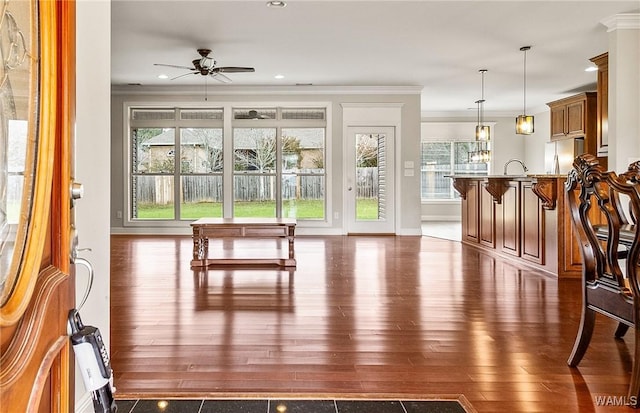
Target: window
[
  {"x": 200, "y": 173},
  {"x": 303, "y": 173},
  {"x": 178, "y": 172},
  {"x": 254, "y": 172},
  {"x": 440, "y": 159}
]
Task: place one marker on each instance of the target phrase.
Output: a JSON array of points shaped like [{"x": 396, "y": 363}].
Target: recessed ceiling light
[
  {"x": 591, "y": 69},
  {"x": 163, "y": 77},
  {"x": 279, "y": 76},
  {"x": 276, "y": 3}
]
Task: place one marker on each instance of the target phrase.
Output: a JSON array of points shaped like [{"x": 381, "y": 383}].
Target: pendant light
[
  {"x": 483, "y": 132},
  {"x": 524, "y": 122}
]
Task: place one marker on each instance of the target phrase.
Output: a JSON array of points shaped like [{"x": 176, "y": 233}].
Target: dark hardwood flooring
[{"x": 360, "y": 315}]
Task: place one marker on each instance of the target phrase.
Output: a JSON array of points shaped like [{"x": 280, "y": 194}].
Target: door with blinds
[{"x": 369, "y": 180}]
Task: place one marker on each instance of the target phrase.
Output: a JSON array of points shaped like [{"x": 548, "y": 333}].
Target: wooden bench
[{"x": 206, "y": 228}]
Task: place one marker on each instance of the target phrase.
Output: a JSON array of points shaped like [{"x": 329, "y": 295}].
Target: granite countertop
[{"x": 500, "y": 176}]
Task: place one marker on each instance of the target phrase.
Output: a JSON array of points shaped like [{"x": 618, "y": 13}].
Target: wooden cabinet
[
  {"x": 532, "y": 240},
  {"x": 487, "y": 218},
  {"x": 510, "y": 219},
  {"x": 602, "y": 110},
  {"x": 478, "y": 214},
  {"x": 574, "y": 117},
  {"x": 470, "y": 210}
]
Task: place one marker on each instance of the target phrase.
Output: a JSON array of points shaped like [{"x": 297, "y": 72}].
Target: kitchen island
[{"x": 521, "y": 217}]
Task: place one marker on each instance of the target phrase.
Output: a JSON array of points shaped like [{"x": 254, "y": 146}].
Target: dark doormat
[{"x": 448, "y": 404}]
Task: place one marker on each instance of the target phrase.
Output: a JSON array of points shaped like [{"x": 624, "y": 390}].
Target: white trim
[
  {"x": 448, "y": 218},
  {"x": 471, "y": 114},
  {"x": 371, "y": 105},
  {"x": 84, "y": 404},
  {"x": 626, "y": 21},
  {"x": 265, "y": 90},
  {"x": 443, "y": 201},
  {"x": 374, "y": 114},
  {"x": 410, "y": 232}
]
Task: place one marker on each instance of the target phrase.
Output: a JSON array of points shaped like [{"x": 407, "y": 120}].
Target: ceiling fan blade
[
  {"x": 174, "y": 66},
  {"x": 186, "y": 74},
  {"x": 220, "y": 77},
  {"x": 232, "y": 69}
]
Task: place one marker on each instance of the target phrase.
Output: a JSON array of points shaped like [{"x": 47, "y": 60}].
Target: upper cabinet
[
  {"x": 602, "y": 134},
  {"x": 573, "y": 117}
]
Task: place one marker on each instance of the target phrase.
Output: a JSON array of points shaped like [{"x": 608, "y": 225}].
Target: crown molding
[
  {"x": 625, "y": 21},
  {"x": 264, "y": 90},
  {"x": 468, "y": 114}
]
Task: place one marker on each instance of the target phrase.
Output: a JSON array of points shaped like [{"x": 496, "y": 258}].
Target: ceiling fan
[
  {"x": 252, "y": 114},
  {"x": 206, "y": 66}
]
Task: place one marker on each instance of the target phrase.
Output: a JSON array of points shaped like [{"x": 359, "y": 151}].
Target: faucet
[{"x": 524, "y": 167}]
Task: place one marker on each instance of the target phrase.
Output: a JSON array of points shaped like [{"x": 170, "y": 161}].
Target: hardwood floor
[{"x": 359, "y": 315}]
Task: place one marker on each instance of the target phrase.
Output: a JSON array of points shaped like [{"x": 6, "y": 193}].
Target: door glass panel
[
  {"x": 370, "y": 177},
  {"x": 201, "y": 172},
  {"x": 19, "y": 135},
  {"x": 254, "y": 170}
]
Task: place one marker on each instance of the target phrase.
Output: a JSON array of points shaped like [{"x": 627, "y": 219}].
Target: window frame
[
  {"x": 455, "y": 197},
  {"x": 227, "y": 124}
]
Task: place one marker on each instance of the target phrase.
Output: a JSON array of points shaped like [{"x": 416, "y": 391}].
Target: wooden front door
[{"x": 37, "y": 96}]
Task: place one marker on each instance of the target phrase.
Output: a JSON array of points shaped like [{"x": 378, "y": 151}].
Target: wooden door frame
[{"x": 36, "y": 364}]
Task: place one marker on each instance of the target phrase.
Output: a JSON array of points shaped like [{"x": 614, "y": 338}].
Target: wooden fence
[{"x": 198, "y": 188}]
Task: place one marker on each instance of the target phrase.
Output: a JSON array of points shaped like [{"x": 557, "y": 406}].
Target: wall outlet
[{"x": 118, "y": 214}]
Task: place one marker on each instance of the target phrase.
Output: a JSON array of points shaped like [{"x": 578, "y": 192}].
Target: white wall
[{"x": 93, "y": 165}]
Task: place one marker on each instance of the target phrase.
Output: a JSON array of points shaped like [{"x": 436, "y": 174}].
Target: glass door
[{"x": 370, "y": 180}]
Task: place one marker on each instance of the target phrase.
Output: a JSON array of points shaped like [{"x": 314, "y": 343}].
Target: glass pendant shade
[
  {"x": 481, "y": 154},
  {"x": 483, "y": 133},
  {"x": 524, "y": 125}
]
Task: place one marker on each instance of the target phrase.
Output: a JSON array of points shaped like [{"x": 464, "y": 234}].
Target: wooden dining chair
[{"x": 610, "y": 250}]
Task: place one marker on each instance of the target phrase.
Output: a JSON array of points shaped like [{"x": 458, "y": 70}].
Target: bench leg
[{"x": 291, "y": 237}]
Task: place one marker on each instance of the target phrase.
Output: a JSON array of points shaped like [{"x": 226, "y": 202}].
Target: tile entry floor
[{"x": 289, "y": 406}]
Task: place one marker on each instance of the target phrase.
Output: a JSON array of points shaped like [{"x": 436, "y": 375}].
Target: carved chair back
[
  {"x": 596, "y": 200},
  {"x": 610, "y": 248}
]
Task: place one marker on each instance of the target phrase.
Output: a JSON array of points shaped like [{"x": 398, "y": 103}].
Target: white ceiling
[{"x": 436, "y": 45}]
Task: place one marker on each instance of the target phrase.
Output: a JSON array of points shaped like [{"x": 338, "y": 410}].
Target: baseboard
[
  {"x": 410, "y": 232},
  {"x": 85, "y": 404},
  {"x": 447, "y": 218}
]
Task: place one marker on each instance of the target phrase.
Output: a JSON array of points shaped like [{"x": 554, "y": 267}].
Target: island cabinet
[
  {"x": 522, "y": 218},
  {"x": 479, "y": 213}
]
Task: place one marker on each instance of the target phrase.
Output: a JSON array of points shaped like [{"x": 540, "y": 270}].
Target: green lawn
[{"x": 300, "y": 209}]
